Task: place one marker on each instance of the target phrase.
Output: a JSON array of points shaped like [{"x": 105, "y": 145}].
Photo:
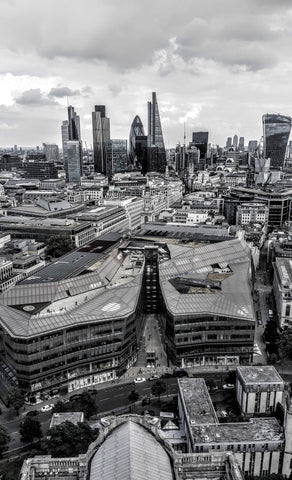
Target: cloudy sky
[{"x": 216, "y": 65}]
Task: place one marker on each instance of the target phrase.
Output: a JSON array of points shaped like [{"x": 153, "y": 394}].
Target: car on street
[
  {"x": 47, "y": 408},
  {"x": 139, "y": 380},
  {"x": 228, "y": 386},
  {"x": 154, "y": 377}
]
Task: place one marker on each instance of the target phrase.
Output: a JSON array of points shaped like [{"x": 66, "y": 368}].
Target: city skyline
[{"x": 215, "y": 67}]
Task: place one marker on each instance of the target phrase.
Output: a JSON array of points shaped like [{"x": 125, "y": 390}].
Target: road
[{"x": 108, "y": 400}]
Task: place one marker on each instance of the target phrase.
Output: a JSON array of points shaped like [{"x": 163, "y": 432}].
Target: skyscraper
[
  {"x": 241, "y": 144},
  {"x": 101, "y": 135},
  {"x": 71, "y": 135},
  {"x": 156, "y": 148},
  {"x": 228, "y": 142},
  {"x": 137, "y": 130},
  {"x": 73, "y": 124},
  {"x": 276, "y": 129},
  {"x": 235, "y": 141},
  {"x": 116, "y": 155},
  {"x": 200, "y": 140},
  {"x": 65, "y": 136},
  {"x": 73, "y": 166}
]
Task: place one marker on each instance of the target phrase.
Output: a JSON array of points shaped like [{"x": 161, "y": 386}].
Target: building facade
[
  {"x": 276, "y": 132},
  {"x": 101, "y": 135}
]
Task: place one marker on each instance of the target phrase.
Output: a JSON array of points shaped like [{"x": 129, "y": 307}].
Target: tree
[
  {"x": 15, "y": 398},
  {"x": 69, "y": 440},
  {"x": 58, "y": 245},
  {"x": 84, "y": 402},
  {"x": 30, "y": 428},
  {"x": 285, "y": 345},
  {"x": 133, "y": 396},
  {"x": 4, "y": 439},
  {"x": 158, "y": 388}
]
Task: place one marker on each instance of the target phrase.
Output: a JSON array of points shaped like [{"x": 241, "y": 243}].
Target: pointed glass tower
[{"x": 156, "y": 149}]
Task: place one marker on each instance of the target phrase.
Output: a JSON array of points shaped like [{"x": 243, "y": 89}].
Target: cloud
[
  {"x": 33, "y": 97},
  {"x": 61, "y": 92}
]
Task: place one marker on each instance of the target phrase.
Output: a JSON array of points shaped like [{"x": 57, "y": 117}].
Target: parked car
[
  {"x": 228, "y": 386},
  {"x": 47, "y": 408},
  {"x": 139, "y": 380}
]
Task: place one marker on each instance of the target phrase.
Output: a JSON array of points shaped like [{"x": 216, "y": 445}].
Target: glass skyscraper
[
  {"x": 137, "y": 130},
  {"x": 72, "y": 146},
  {"x": 73, "y": 166},
  {"x": 276, "y": 135},
  {"x": 116, "y": 155},
  {"x": 156, "y": 148},
  {"x": 101, "y": 135},
  {"x": 200, "y": 140}
]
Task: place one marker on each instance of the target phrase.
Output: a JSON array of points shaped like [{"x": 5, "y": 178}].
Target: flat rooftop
[
  {"x": 73, "y": 417},
  {"x": 197, "y": 401},
  {"x": 259, "y": 374},
  {"x": 261, "y": 430}
]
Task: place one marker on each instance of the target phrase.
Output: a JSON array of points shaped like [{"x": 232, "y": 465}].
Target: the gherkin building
[{"x": 137, "y": 130}]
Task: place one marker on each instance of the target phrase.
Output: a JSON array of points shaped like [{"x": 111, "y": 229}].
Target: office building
[
  {"x": 251, "y": 213},
  {"x": 72, "y": 146},
  {"x": 261, "y": 446},
  {"x": 276, "y": 132},
  {"x": 101, "y": 135},
  {"x": 252, "y": 146},
  {"x": 116, "y": 156},
  {"x": 65, "y": 135},
  {"x": 229, "y": 142},
  {"x": 235, "y": 141},
  {"x": 51, "y": 151},
  {"x": 206, "y": 322},
  {"x": 200, "y": 140},
  {"x": 73, "y": 124},
  {"x": 137, "y": 130},
  {"x": 241, "y": 144},
  {"x": 258, "y": 389},
  {"x": 156, "y": 149},
  {"x": 73, "y": 164},
  {"x": 40, "y": 169}
]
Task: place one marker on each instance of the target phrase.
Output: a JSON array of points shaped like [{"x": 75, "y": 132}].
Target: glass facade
[
  {"x": 137, "y": 130},
  {"x": 156, "y": 148},
  {"x": 200, "y": 140},
  {"x": 276, "y": 135},
  {"x": 101, "y": 135},
  {"x": 116, "y": 156}
]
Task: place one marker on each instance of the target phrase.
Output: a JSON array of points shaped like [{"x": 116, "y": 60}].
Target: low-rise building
[
  {"x": 282, "y": 287},
  {"x": 259, "y": 445},
  {"x": 258, "y": 389}
]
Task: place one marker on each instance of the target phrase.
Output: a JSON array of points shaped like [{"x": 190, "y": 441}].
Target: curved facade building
[
  {"x": 208, "y": 322},
  {"x": 76, "y": 332},
  {"x": 276, "y": 132},
  {"x": 137, "y": 130}
]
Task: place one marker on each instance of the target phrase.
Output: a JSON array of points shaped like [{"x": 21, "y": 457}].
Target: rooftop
[
  {"x": 197, "y": 401},
  {"x": 73, "y": 417},
  {"x": 225, "y": 262},
  {"x": 130, "y": 452},
  {"x": 259, "y": 374},
  {"x": 256, "y": 430}
]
